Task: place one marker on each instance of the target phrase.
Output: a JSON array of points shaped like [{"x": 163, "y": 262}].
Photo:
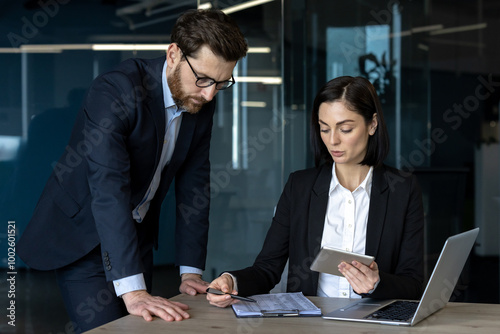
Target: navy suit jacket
[
  {"x": 106, "y": 170},
  {"x": 394, "y": 235}
]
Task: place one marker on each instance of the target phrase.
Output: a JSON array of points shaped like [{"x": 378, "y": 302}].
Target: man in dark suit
[{"x": 141, "y": 125}]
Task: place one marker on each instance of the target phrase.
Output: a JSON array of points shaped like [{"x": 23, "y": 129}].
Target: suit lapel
[
  {"x": 152, "y": 111},
  {"x": 377, "y": 211},
  {"x": 156, "y": 107},
  {"x": 154, "y": 101},
  {"x": 317, "y": 211}
]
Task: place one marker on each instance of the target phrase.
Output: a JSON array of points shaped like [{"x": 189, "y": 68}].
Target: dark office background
[{"x": 434, "y": 63}]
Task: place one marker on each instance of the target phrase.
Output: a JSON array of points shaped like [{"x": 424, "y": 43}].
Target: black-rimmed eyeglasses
[{"x": 204, "y": 82}]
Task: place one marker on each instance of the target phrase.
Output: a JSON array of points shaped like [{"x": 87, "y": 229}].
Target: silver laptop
[{"x": 436, "y": 295}]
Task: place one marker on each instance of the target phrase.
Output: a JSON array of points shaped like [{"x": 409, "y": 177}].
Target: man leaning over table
[{"x": 141, "y": 125}]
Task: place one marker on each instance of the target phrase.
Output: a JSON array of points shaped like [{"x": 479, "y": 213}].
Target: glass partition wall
[
  {"x": 434, "y": 65},
  {"x": 45, "y": 86},
  {"x": 248, "y": 147}
]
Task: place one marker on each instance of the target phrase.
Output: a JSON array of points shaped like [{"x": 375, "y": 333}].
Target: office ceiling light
[
  {"x": 263, "y": 80},
  {"x": 406, "y": 33},
  {"x": 149, "y": 8},
  {"x": 423, "y": 47},
  {"x": 58, "y": 48},
  {"x": 129, "y": 47},
  {"x": 253, "y": 104},
  {"x": 139, "y": 7},
  {"x": 245, "y": 5},
  {"x": 259, "y": 50},
  {"x": 206, "y": 5},
  {"x": 10, "y": 50},
  {"x": 168, "y": 8},
  {"x": 459, "y": 29},
  {"x": 52, "y": 48},
  {"x": 18, "y": 50},
  {"x": 426, "y": 28}
]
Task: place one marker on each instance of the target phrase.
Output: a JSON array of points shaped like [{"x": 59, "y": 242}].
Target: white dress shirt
[
  {"x": 173, "y": 115},
  {"x": 345, "y": 228}
]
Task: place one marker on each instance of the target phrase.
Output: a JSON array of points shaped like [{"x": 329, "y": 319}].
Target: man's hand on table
[
  {"x": 141, "y": 303},
  {"x": 192, "y": 284}
]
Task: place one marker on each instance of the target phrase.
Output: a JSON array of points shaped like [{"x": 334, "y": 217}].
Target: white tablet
[{"x": 328, "y": 259}]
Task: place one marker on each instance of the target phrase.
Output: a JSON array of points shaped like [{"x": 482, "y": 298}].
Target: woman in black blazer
[{"x": 350, "y": 200}]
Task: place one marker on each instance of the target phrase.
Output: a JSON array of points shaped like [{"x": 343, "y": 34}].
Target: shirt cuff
[
  {"x": 190, "y": 270},
  {"x": 128, "y": 284},
  {"x": 376, "y": 284},
  {"x": 371, "y": 291},
  {"x": 235, "y": 281}
]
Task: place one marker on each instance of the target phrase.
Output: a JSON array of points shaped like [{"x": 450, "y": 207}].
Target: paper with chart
[{"x": 277, "y": 304}]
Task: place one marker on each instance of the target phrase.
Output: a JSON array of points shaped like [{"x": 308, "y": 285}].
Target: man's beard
[{"x": 181, "y": 99}]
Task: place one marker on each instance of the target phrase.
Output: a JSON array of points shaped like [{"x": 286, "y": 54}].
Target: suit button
[
  {"x": 105, "y": 254},
  {"x": 106, "y": 262},
  {"x": 108, "y": 267}
]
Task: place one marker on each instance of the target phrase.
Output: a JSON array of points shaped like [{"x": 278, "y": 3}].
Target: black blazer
[
  {"x": 394, "y": 235},
  {"x": 107, "y": 168}
]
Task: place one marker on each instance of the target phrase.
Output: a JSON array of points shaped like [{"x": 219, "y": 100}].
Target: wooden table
[{"x": 455, "y": 318}]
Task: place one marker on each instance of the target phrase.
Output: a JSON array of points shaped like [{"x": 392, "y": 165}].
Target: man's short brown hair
[{"x": 210, "y": 27}]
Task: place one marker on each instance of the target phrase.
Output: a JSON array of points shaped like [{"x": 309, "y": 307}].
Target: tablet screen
[{"x": 328, "y": 259}]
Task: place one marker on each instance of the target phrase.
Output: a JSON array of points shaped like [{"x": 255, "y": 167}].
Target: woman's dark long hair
[{"x": 359, "y": 96}]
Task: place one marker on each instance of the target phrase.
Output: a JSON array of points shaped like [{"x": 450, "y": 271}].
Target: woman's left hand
[{"x": 362, "y": 278}]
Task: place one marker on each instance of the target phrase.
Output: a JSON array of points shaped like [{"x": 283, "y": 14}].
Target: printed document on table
[{"x": 276, "y": 305}]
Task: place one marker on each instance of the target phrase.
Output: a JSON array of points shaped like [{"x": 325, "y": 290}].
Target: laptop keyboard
[{"x": 400, "y": 310}]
